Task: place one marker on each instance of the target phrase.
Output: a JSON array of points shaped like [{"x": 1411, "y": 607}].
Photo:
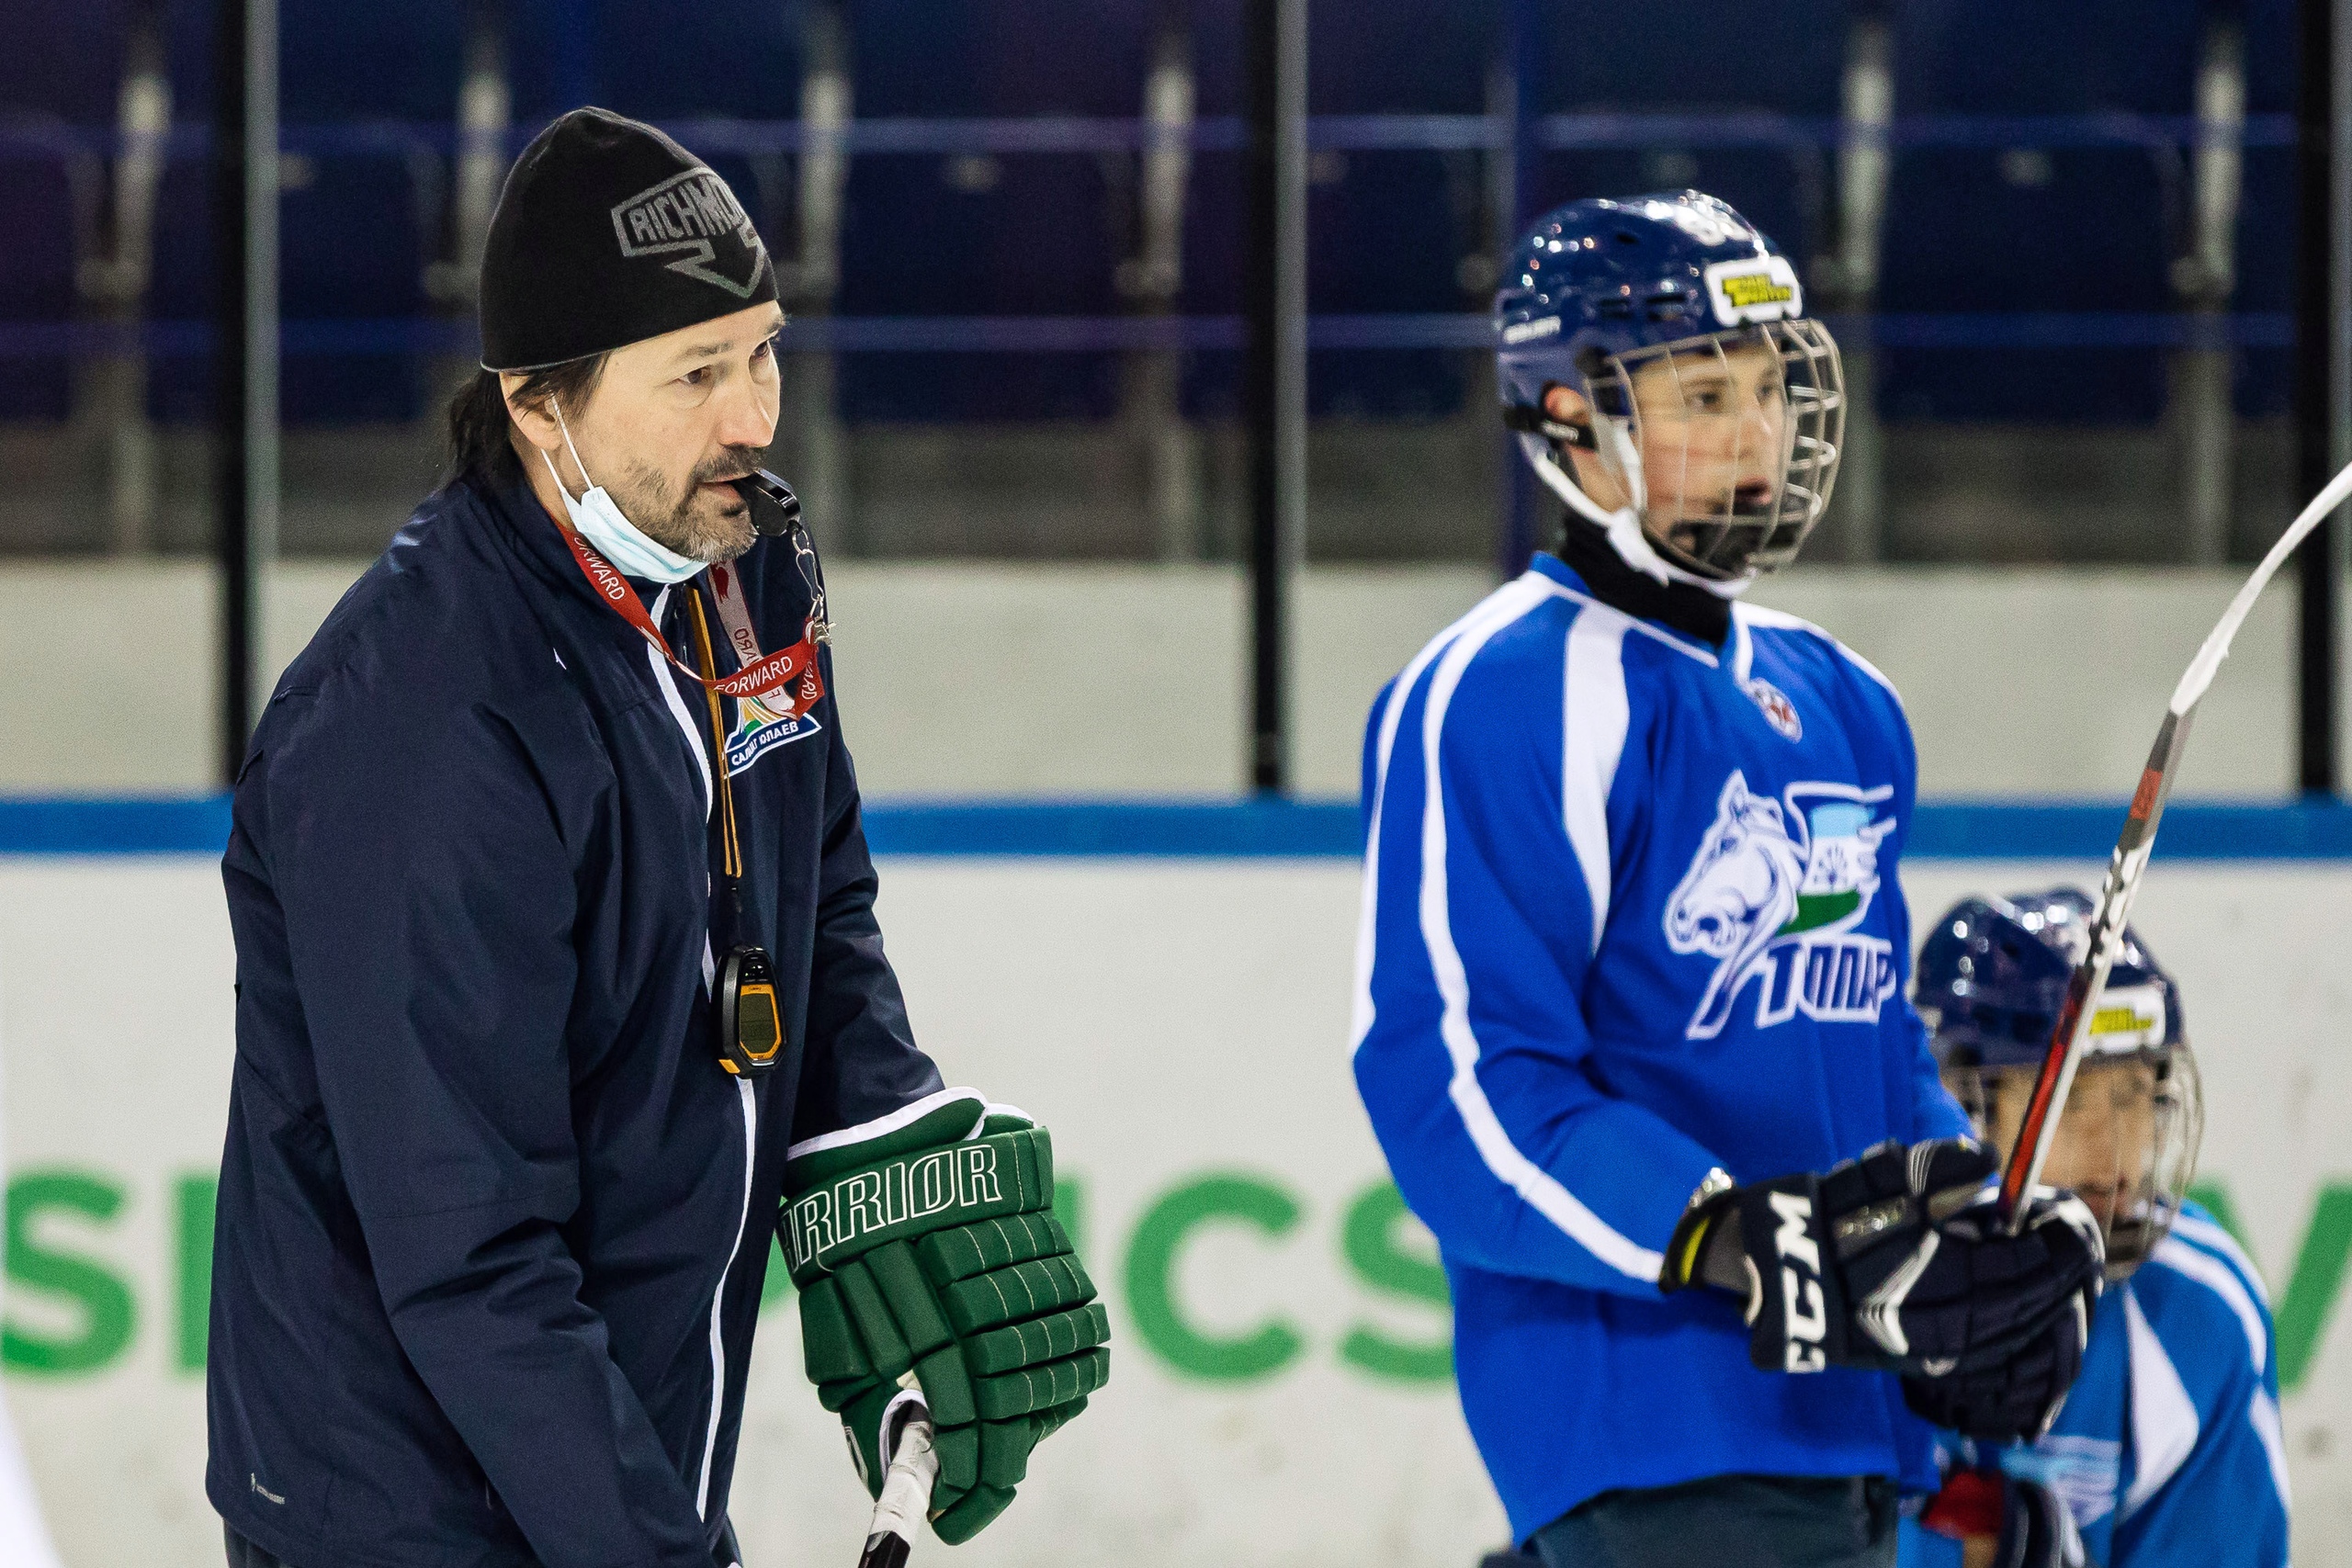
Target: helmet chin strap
[{"x": 1623, "y": 526}]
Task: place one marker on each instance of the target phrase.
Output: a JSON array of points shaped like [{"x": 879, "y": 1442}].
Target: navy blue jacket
[{"x": 492, "y": 1220}]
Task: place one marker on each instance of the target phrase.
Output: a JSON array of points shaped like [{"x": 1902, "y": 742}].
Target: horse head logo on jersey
[{"x": 1775, "y": 893}]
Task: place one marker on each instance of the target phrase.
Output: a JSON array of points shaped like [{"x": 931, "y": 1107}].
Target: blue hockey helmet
[
  {"x": 1992, "y": 977},
  {"x": 1712, "y": 408}
]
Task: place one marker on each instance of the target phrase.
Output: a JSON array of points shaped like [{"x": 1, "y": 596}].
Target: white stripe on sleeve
[
  {"x": 2222, "y": 1280},
  {"x": 1531, "y": 1182},
  {"x": 890, "y": 1122},
  {"x": 1592, "y": 729},
  {"x": 1511, "y": 601},
  {"x": 2163, "y": 1418},
  {"x": 2264, "y": 1412},
  {"x": 2213, "y": 1238}
]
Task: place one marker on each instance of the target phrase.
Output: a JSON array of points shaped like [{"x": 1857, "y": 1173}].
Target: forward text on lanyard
[{"x": 785, "y": 683}]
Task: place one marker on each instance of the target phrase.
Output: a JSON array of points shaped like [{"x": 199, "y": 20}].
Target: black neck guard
[{"x": 1692, "y": 610}]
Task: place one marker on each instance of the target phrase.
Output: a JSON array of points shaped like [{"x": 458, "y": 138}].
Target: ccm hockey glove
[
  {"x": 1893, "y": 1262},
  {"x": 930, "y": 1264}
]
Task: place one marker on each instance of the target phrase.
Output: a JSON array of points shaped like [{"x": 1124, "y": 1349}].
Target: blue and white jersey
[
  {"x": 1630, "y": 913},
  {"x": 2168, "y": 1451}
]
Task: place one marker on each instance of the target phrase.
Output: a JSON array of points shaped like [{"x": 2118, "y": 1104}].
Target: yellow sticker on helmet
[
  {"x": 2130, "y": 1017},
  {"x": 1753, "y": 289}
]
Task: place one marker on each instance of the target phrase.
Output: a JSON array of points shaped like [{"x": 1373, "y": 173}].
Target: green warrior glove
[{"x": 929, "y": 1262}]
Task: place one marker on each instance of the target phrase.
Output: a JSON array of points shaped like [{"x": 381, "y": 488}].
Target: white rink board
[{"x": 1169, "y": 1020}]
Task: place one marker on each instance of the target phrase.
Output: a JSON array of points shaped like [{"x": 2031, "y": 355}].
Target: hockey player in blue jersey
[
  {"x": 1630, "y": 1018},
  {"x": 2168, "y": 1452}
]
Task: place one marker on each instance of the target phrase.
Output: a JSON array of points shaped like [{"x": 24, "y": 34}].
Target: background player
[
  {"x": 2167, "y": 1451},
  {"x": 1632, "y": 938}
]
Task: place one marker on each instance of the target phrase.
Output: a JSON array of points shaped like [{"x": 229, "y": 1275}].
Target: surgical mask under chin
[
  {"x": 618, "y": 540},
  {"x": 1623, "y": 525}
]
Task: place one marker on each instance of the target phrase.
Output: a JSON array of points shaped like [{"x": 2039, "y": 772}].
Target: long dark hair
[{"x": 477, "y": 445}]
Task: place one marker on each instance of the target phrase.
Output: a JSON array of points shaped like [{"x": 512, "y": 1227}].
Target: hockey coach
[{"x": 559, "y": 981}]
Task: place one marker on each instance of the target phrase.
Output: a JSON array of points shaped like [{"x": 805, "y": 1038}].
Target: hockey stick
[
  {"x": 906, "y": 1491},
  {"x": 2131, "y": 858}
]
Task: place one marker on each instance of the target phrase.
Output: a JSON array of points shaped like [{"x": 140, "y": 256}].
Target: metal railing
[{"x": 1169, "y": 331}]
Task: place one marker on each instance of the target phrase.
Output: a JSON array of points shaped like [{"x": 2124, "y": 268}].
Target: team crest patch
[
  {"x": 1774, "y": 895},
  {"x": 758, "y": 730},
  {"x": 1779, "y": 712}
]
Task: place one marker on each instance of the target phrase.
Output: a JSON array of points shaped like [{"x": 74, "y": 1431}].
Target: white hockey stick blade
[{"x": 2200, "y": 671}]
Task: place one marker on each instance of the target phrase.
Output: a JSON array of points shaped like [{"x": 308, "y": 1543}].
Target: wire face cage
[
  {"x": 1732, "y": 442},
  {"x": 2127, "y": 1139}
]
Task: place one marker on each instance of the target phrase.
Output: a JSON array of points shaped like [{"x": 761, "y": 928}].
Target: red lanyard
[{"x": 785, "y": 683}]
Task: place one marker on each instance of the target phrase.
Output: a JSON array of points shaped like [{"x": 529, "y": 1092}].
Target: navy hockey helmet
[
  {"x": 1715, "y": 408},
  {"x": 1991, "y": 977}
]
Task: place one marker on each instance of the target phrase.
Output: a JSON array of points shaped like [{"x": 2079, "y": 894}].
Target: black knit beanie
[{"x": 607, "y": 234}]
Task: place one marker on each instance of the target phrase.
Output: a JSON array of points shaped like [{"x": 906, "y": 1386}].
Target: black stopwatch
[{"x": 750, "y": 1025}]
